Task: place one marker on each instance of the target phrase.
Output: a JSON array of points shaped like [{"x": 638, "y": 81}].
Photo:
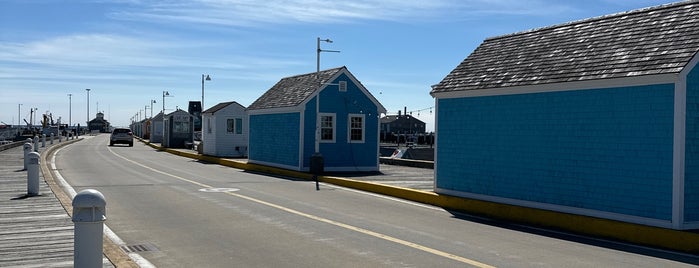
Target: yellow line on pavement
[{"x": 328, "y": 221}]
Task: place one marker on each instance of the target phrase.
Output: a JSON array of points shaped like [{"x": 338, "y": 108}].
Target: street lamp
[
  {"x": 203, "y": 78},
  {"x": 318, "y": 51},
  {"x": 70, "y": 108},
  {"x": 165, "y": 94},
  {"x": 151, "y": 108},
  {"x": 19, "y": 114},
  {"x": 88, "y": 106}
]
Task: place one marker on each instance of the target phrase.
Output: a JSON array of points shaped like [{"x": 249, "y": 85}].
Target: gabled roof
[
  {"x": 157, "y": 117},
  {"x": 650, "y": 41},
  {"x": 220, "y": 106},
  {"x": 292, "y": 91}
]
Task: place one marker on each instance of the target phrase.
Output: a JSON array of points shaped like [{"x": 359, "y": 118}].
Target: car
[{"x": 121, "y": 136}]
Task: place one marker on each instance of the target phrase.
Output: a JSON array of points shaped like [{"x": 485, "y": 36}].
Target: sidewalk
[{"x": 34, "y": 231}]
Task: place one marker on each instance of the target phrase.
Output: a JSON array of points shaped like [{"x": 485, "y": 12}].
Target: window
[
  {"x": 356, "y": 128},
  {"x": 234, "y": 125},
  {"x": 230, "y": 125},
  {"x": 238, "y": 126},
  {"x": 327, "y": 127},
  {"x": 180, "y": 127},
  {"x": 343, "y": 86}
]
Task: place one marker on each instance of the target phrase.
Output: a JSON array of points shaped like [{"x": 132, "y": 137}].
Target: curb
[
  {"x": 110, "y": 249},
  {"x": 676, "y": 240}
]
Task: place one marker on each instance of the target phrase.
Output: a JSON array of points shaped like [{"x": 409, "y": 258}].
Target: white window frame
[
  {"x": 320, "y": 127},
  {"x": 349, "y": 128}
]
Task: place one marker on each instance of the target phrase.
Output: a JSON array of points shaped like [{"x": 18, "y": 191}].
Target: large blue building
[
  {"x": 329, "y": 112},
  {"x": 598, "y": 117}
]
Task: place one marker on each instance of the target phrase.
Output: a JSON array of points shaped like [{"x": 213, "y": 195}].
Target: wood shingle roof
[
  {"x": 650, "y": 41},
  {"x": 292, "y": 91}
]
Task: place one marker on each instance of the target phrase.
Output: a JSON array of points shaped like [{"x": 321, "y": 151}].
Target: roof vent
[{"x": 343, "y": 86}]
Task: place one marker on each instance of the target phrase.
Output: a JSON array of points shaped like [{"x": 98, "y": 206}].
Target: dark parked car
[{"x": 121, "y": 135}]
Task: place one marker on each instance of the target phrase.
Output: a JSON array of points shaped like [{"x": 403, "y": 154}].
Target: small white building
[
  {"x": 225, "y": 130},
  {"x": 156, "y": 128}
]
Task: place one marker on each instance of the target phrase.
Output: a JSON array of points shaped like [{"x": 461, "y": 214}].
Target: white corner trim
[{"x": 678, "y": 152}]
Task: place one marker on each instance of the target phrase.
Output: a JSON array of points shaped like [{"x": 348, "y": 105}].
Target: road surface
[{"x": 185, "y": 213}]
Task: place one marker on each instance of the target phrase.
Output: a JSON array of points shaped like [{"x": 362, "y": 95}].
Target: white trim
[
  {"x": 271, "y": 164},
  {"x": 678, "y": 153},
  {"x": 567, "y": 86},
  {"x": 320, "y": 127},
  {"x": 680, "y": 146},
  {"x": 560, "y": 208},
  {"x": 349, "y": 128},
  {"x": 436, "y": 148},
  {"x": 302, "y": 140}
]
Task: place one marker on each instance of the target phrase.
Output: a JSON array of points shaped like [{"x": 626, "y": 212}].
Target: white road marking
[{"x": 321, "y": 219}]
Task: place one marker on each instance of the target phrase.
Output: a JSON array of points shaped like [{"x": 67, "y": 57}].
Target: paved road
[{"x": 192, "y": 214}]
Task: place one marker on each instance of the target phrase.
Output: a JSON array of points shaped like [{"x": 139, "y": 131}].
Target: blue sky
[{"x": 129, "y": 51}]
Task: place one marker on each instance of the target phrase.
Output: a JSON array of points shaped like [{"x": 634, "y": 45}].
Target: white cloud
[{"x": 256, "y": 13}]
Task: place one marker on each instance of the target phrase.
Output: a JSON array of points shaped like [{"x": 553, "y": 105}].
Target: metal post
[
  {"x": 36, "y": 143},
  {"x": 43, "y": 140},
  {"x": 33, "y": 174},
  {"x": 52, "y": 138},
  {"x": 27, "y": 149},
  {"x": 89, "y": 214}
]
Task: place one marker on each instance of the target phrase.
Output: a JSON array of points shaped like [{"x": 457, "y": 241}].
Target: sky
[{"x": 127, "y": 52}]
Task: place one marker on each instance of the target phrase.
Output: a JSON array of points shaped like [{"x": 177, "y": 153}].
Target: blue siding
[
  {"x": 275, "y": 138},
  {"x": 691, "y": 175},
  {"x": 603, "y": 149},
  {"x": 342, "y": 154}
]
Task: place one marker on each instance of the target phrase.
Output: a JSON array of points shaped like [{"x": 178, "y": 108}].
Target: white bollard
[
  {"x": 60, "y": 138},
  {"x": 33, "y": 174},
  {"x": 89, "y": 214},
  {"x": 36, "y": 143},
  {"x": 43, "y": 140},
  {"x": 27, "y": 149}
]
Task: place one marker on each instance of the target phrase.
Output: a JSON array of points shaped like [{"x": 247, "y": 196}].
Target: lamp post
[
  {"x": 151, "y": 108},
  {"x": 203, "y": 78},
  {"x": 70, "y": 109},
  {"x": 318, "y": 51},
  {"x": 19, "y": 114},
  {"x": 165, "y": 94},
  {"x": 88, "y": 107}
]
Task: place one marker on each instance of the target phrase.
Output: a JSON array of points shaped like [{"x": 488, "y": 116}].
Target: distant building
[
  {"x": 99, "y": 124},
  {"x": 401, "y": 124},
  {"x": 225, "y": 130}
]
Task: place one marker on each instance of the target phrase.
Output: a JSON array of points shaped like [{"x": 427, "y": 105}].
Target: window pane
[
  {"x": 356, "y": 129},
  {"x": 326, "y": 127},
  {"x": 238, "y": 126},
  {"x": 229, "y": 125}
]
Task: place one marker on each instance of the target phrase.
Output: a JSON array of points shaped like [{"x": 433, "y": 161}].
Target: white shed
[
  {"x": 156, "y": 128},
  {"x": 225, "y": 130}
]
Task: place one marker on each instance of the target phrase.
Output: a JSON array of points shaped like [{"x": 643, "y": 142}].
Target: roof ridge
[
  {"x": 312, "y": 73},
  {"x": 618, "y": 14}
]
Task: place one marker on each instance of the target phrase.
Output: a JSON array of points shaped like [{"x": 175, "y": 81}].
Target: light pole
[
  {"x": 165, "y": 94},
  {"x": 70, "y": 109},
  {"x": 151, "y": 108},
  {"x": 203, "y": 78},
  {"x": 19, "y": 114},
  {"x": 318, "y": 51},
  {"x": 88, "y": 107}
]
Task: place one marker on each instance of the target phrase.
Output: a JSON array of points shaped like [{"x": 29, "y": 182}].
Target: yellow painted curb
[{"x": 683, "y": 241}]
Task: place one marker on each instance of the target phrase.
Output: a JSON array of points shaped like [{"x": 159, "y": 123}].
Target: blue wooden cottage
[
  {"x": 598, "y": 117},
  {"x": 329, "y": 112}
]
